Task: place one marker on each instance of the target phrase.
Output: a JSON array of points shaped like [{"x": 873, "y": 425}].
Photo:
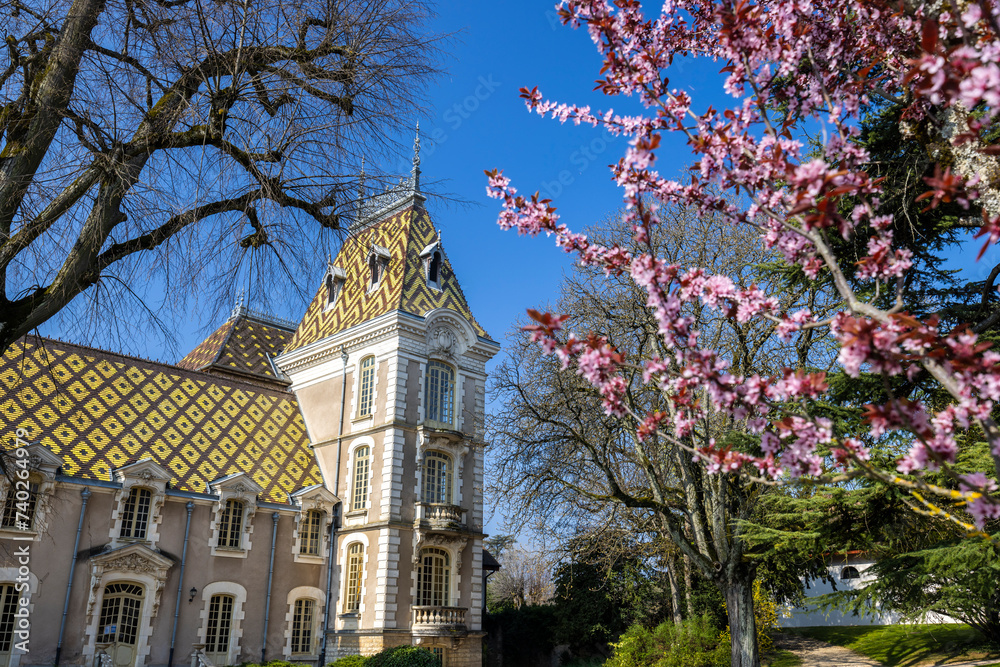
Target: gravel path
[{"x": 815, "y": 653}]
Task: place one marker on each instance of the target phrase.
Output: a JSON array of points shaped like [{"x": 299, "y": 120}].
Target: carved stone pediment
[
  {"x": 238, "y": 485},
  {"x": 133, "y": 559},
  {"x": 147, "y": 470}
]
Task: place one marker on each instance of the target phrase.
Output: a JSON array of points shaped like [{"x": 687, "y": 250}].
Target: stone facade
[{"x": 297, "y": 492}]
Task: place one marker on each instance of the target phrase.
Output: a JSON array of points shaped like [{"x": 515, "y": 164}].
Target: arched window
[
  {"x": 355, "y": 565},
  {"x": 220, "y": 626},
  {"x": 311, "y": 525},
  {"x": 231, "y": 525},
  {"x": 121, "y": 610},
  {"x": 303, "y": 614},
  {"x": 366, "y": 387},
  {"x": 433, "y": 578},
  {"x": 333, "y": 287},
  {"x": 20, "y": 503},
  {"x": 850, "y": 572},
  {"x": 135, "y": 514},
  {"x": 434, "y": 269},
  {"x": 439, "y": 392},
  {"x": 360, "y": 496},
  {"x": 437, "y": 478}
]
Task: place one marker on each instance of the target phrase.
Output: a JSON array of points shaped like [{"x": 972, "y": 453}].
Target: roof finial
[
  {"x": 361, "y": 182},
  {"x": 238, "y": 306},
  {"x": 415, "y": 172}
]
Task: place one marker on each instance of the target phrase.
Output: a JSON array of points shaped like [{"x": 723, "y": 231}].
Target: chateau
[{"x": 285, "y": 491}]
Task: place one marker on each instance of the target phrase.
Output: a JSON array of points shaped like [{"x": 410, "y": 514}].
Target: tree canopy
[{"x": 172, "y": 143}]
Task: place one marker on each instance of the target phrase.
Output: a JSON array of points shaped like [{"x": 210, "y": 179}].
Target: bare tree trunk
[
  {"x": 675, "y": 594},
  {"x": 687, "y": 586},
  {"x": 742, "y": 625}
]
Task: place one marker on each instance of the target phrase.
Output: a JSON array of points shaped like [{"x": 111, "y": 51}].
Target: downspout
[
  {"x": 340, "y": 433},
  {"x": 85, "y": 496},
  {"x": 329, "y": 581},
  {"x": 180, "y": 583},
  {"x": 336, "y": 510},
  {"x": 270, "y": 575}
]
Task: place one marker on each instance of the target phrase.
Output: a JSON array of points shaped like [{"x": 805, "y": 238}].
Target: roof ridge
[{"x": 180, "y": 370}]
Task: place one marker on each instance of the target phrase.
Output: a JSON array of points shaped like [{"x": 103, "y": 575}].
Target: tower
[{"x": 388, "y": 366}]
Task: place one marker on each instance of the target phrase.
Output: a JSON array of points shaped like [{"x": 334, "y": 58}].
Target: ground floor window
[
  {"x": 220, "y": 625},
  {"x": 441, "y": 656},
  {"x": 303, "y": 614},
  {"x": 121, "y": 610}
]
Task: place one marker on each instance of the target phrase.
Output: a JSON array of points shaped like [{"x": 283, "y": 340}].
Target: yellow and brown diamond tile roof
[
  {"x": 99, "y": 410},
  {"x": 241, "y": 345},
  {"x": 404, "y": 286}
]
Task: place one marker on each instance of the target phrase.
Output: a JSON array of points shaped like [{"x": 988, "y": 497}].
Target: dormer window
[
  {"x": 135, "y": 514},
  {"x": 232, "y": 520},
  {"x": 378, "y": 263},
  {"x": 431, "y": 255},
  {"x": 334, "y": 285},
  {"x": 434, "y": 268}
]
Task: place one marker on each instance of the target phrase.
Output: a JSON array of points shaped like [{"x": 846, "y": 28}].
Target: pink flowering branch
[{"x": 820, "y": 61}]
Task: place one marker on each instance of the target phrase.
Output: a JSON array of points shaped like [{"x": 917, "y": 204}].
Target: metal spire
[
  {"x": 361, "y": 183},
  {"x": 415, "y": 172}
]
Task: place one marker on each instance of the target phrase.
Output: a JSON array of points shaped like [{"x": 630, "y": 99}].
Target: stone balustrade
[
  {"x": 438, "y": 621},
  {"x": 436, "y": 516}
]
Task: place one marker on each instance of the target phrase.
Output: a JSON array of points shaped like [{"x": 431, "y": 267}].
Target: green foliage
[
  {"x": 693, "y": 643},
  {"x": 350, "y": 661},
  {"x": 595, "y": 603},
  {"x": 272, "y": 663},
  {"x": 403, "y": 656},
  {"x": 526, "y": 634}
]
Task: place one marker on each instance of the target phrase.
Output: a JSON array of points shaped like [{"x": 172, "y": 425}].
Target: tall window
[
  {"x": 8, "y": 607},
  {"x": 135, "y": 515},
  {"x": 19, "y": 506},
  {"x": 437, "y": 478},
  {"x": 334, "y": 285},
  {"x": 439, "y": 392},
  {"x": 366, "y": 395},
  {"x": 231, "y": 525},
  {"x": 121, "y": 610},
  {"x": 360, "y": 495},
  {"x": 433, "y": 578},
  {"x": 355, "y": 563},
  {"x": 434, "y": 269},
  {"x": 310, "y": 532},
  {"x": 220, "y": 624},
  {"x": 303, "y": 613}
]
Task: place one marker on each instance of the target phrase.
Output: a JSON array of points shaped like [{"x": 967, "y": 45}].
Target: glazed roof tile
[
  {"x": 403, "y": 287},
  {"x": 245, "y": 344},
  {"x": 99, "y": 410}
]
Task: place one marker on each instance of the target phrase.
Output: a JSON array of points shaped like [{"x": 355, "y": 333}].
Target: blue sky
[{"x": 476, "y": 121}]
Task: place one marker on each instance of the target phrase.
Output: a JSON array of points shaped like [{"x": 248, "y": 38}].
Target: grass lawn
[
  {"x": 907, "y": 645},
  {"x": 781, "y": 659}
]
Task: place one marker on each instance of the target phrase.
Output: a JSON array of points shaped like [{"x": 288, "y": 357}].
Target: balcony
[
  {"x": 439, "y": 518},
  {"x": 438, "y": 621}
]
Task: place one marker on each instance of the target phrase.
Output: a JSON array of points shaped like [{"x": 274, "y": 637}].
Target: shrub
[
  {"x": 693, "y": 643},
  {"x": 350, "y": 661},
  {"x": 403, "y": 656}
]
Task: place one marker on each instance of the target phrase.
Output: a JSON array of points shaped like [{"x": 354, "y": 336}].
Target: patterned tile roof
[
  {"x": 99, "y": 410},
  {"x": 245, "y": 345},
  {"x": 404, "y": 287}
]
